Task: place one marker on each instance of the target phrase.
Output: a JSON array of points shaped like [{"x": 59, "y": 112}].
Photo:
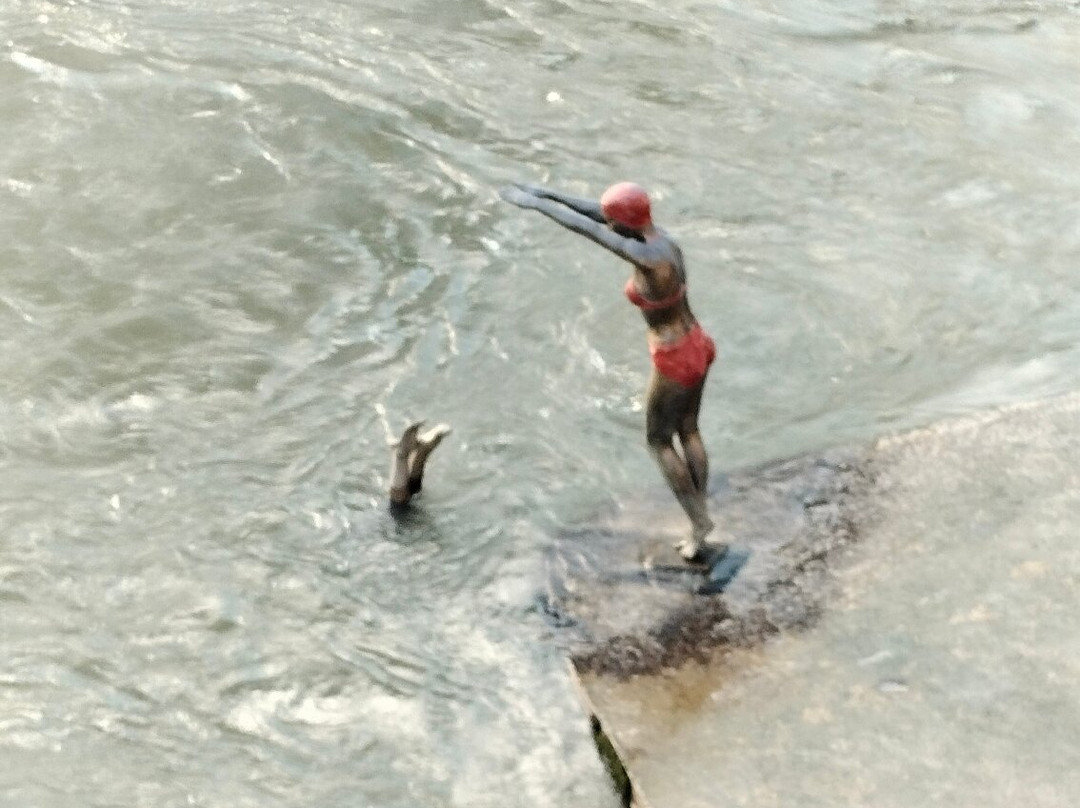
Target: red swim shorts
[{"x": 687, "y": 360}]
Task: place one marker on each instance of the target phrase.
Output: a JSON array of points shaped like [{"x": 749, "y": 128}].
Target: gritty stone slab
[{"x": 905, "y": 633}]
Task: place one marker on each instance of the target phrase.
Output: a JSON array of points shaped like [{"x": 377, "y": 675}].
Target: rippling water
[{"x": 242, "y": 242}]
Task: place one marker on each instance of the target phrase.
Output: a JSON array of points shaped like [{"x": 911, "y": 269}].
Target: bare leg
[
  {"x": 401, "y": 464},
  {"x": 693, "y": 448},
  {"x": 696, "y": 460},
  {"x": 681, "y": 483},
  {"x": 425, "y": 445},
  {"x": 668, "y": 406}
]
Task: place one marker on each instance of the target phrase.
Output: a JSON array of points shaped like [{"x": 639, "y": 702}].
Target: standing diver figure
[{"x": 681, "y": 350}]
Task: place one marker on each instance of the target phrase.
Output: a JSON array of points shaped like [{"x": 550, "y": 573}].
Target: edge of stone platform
[
  {"x": 839, "y": 493},
  {"x": 1065, "y": 402},
  {"x": 798, "y": 515},
  {"x": 823, "y": 506}
]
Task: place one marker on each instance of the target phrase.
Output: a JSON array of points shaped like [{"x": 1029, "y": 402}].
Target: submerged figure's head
[{"x": 627, "y": 204}]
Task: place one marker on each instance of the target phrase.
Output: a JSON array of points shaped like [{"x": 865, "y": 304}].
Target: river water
[{"x": 241, "y": 243}]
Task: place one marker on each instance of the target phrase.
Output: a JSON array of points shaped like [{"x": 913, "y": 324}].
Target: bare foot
[
  {"x": 690, "y": 549},
  {"x": 430, "y": 439},
  {"x": 699, "y": 548}
]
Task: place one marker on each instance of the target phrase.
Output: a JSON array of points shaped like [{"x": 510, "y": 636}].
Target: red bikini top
[{"x": 643, "y": 303}]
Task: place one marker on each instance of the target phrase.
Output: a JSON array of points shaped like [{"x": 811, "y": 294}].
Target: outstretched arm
[
  {"x": 641, "y": 254},
  {"x": 586, "y": 207}
]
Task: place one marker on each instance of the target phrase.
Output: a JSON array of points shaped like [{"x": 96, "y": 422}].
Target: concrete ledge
[{"x": 905, "y": 634}]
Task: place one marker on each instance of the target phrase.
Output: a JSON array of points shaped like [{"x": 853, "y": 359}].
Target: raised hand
[
  {"x": 535, "y": 190},
  {"x": 515, "y": 195}
]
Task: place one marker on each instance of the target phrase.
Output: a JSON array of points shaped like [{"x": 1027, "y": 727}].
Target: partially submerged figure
[
  {"x": 410, "y": 454},
  {"x": 681, "y": 350}
]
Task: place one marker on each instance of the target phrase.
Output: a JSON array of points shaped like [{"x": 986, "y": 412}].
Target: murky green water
[{"x": 242, "y": 242}]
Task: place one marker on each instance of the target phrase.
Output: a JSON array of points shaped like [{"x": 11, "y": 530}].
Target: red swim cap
[{"x": 627, "y": 204}]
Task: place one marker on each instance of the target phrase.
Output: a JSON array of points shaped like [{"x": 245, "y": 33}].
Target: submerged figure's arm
[{"x": 647, "y": 256}]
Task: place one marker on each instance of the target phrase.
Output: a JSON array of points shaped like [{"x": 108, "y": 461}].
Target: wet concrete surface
[
  {"x": 905, "y": 632},
  {"x": 632, "y": 602}
]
